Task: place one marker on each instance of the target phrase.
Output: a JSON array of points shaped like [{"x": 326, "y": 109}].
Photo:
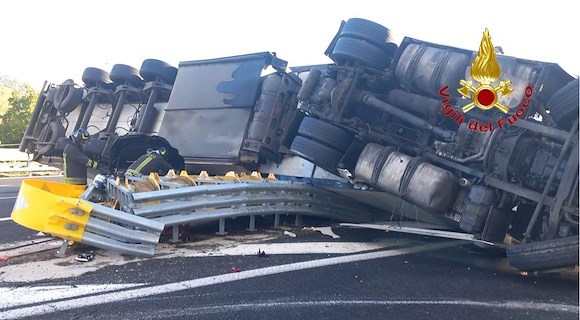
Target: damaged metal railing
[
  {"x": 232, "y": 197},
  {"x": 131, "y": 222},
  {"x": 57, "y": 209}
]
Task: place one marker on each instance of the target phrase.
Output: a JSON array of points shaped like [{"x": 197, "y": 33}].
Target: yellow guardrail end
[{"x": 54, "y": 208}]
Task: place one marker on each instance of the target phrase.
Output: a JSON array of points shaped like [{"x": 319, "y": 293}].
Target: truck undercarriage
[{"x": 385, "y": 133}]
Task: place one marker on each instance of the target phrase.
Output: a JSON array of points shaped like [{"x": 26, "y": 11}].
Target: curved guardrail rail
[{"x": 133, "y": 221}]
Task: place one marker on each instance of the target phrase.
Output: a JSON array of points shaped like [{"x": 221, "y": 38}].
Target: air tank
[{"x": 410, "y": 178}]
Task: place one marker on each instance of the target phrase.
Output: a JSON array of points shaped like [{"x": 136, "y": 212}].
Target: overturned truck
[{"x": 468, "y": 144}]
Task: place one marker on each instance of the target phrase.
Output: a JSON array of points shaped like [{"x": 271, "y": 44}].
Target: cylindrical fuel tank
[
  {"x": 264, "y": 107},
  {"x": 412, "y": 179},
  {"x": 432, "y": 188},
  {"x": 370, "y": 163},
  {"x": 426, "y": 68},
  {"x": 391, "y": 175}
]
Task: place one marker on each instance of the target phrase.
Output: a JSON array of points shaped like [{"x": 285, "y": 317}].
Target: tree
[{"x": 13, "y": 123}]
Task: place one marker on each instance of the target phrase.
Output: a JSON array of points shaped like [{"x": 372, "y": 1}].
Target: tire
[
  {"x": 153, "y": 69},
  {"x": 371, "y": 32},
  {"x": 325, "y": 133},
  {"x": 563, "y": 105},
  {"x": 124, "y": 74},
  {"x": 361, "y": 51},
  {"x": 67, "y": 97},
  {"x": 317, "y": 153},
  {"x": 549, "y": 254},
  {"x": 50, "y": 133},
  {"x": 93, "y": 77}
]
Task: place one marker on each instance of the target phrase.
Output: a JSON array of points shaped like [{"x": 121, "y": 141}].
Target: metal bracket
[{"x": 61, "y": 253}]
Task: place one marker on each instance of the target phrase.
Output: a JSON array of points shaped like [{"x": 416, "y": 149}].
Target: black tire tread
[
  {"x": 543, "y": 255},
  {"x": 122, "y": 73},
  {"x": 317, "y": 153},
  {"x": 96, "y": 77},
  {"x": 325, "y": 133},
  {"x": 359, "y": 50},
  {"x": 152, "y": 69},
  {"x": 563, "y": 105},
  {"x": 67, "y": 97},
  {"x": 369, "y": 31},
  {"x": 56, "y": 131}
]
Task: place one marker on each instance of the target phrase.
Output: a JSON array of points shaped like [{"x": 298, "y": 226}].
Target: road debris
[
  {"x": 291, "y": 234},
  {"x": 85, "y": 257},
  {"x": 327, "y": 231}
]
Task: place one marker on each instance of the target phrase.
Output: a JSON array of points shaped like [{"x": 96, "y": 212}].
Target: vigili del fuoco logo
[{"x": 486, "y": 94}]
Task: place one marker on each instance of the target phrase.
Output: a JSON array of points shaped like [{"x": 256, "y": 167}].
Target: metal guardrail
[
  {"x": 10, "y": 155},
  {"x": 61, "y": 210},
  {"x": 132, "y": 222},
  {"x": 217, "y": 200}
]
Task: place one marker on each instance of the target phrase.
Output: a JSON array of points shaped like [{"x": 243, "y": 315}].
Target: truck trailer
[{"x": 415, "y": 137}]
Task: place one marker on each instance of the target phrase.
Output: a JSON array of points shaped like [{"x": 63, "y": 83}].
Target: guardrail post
[
  {"x": 222, "y": 228},
  {"x": 252, "y": 226},
  {"x": 277, "y": 220},
  {"x": 62, "y": 250},
  {"x": 175, "y": 234},
  {"x": 298, "y": 220}
]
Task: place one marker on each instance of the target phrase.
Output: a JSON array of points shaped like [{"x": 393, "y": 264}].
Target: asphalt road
[
  {"x": 364, "y": 274},
  {"x": 10, "y": 231}
]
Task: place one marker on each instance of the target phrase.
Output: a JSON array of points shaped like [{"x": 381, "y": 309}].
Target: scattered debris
[
  {"x": 327, "y": 231},
  {"x": 291, "y": 234},
  {"x": 85, "y": 257}
]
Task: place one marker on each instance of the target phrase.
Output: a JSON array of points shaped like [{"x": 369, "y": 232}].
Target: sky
[{"x": 56, "y": 40}]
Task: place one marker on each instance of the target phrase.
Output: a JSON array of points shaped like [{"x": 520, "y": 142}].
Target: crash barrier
[
  {"x": 16, "y": 163},
  {"x": 57, "y": 209},
  {"x": 213, "y": 198},
  {"x": 130, "y": 220}
]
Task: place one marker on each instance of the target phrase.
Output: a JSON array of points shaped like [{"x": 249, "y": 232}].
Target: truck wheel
[
  {"x": 122, "y": 73},
  {"x": 50, "y": 134},
  {"x": 325, "y": 133},
  {"x": 542, "y": 255},
  {"x": 359, "y": 50},
  {"x": 317, "y": 153},
  {"x": 151, "y": 69},
  {"x": 67, "y": 97},
  {"x": 371, "y": 32},
  {"x": 93, "y": 77},
  {"x": 563, "y": 105}
]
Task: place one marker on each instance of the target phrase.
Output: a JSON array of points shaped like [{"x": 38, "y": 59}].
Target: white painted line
[
  {"x": 25, "y": 243},
  {"x": 8, "y": 198},
  {"x": 5, "y": 219},
  {"x": 31, "y": 247},
  {"x": 502, "y": 305},
  {"x": 61, "y": 268},
  {"x": 12, "y": 297},
  {"x": 213, "y": 280},
  {"x": 296, "y": 248}
]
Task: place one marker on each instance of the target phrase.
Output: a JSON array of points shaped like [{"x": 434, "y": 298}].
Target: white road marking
[
  {"x": 5, "y": 219},
  {"x": 213, "y": 280},
  {"x": 29, "y": 247},
  {"x": 28, "y": 295},
  {"x": 7, "y": 198},
  {"x": 297, "y": 248},
  {"x": 59, "y": 268},
  {"x": 257, "y": 307}
]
